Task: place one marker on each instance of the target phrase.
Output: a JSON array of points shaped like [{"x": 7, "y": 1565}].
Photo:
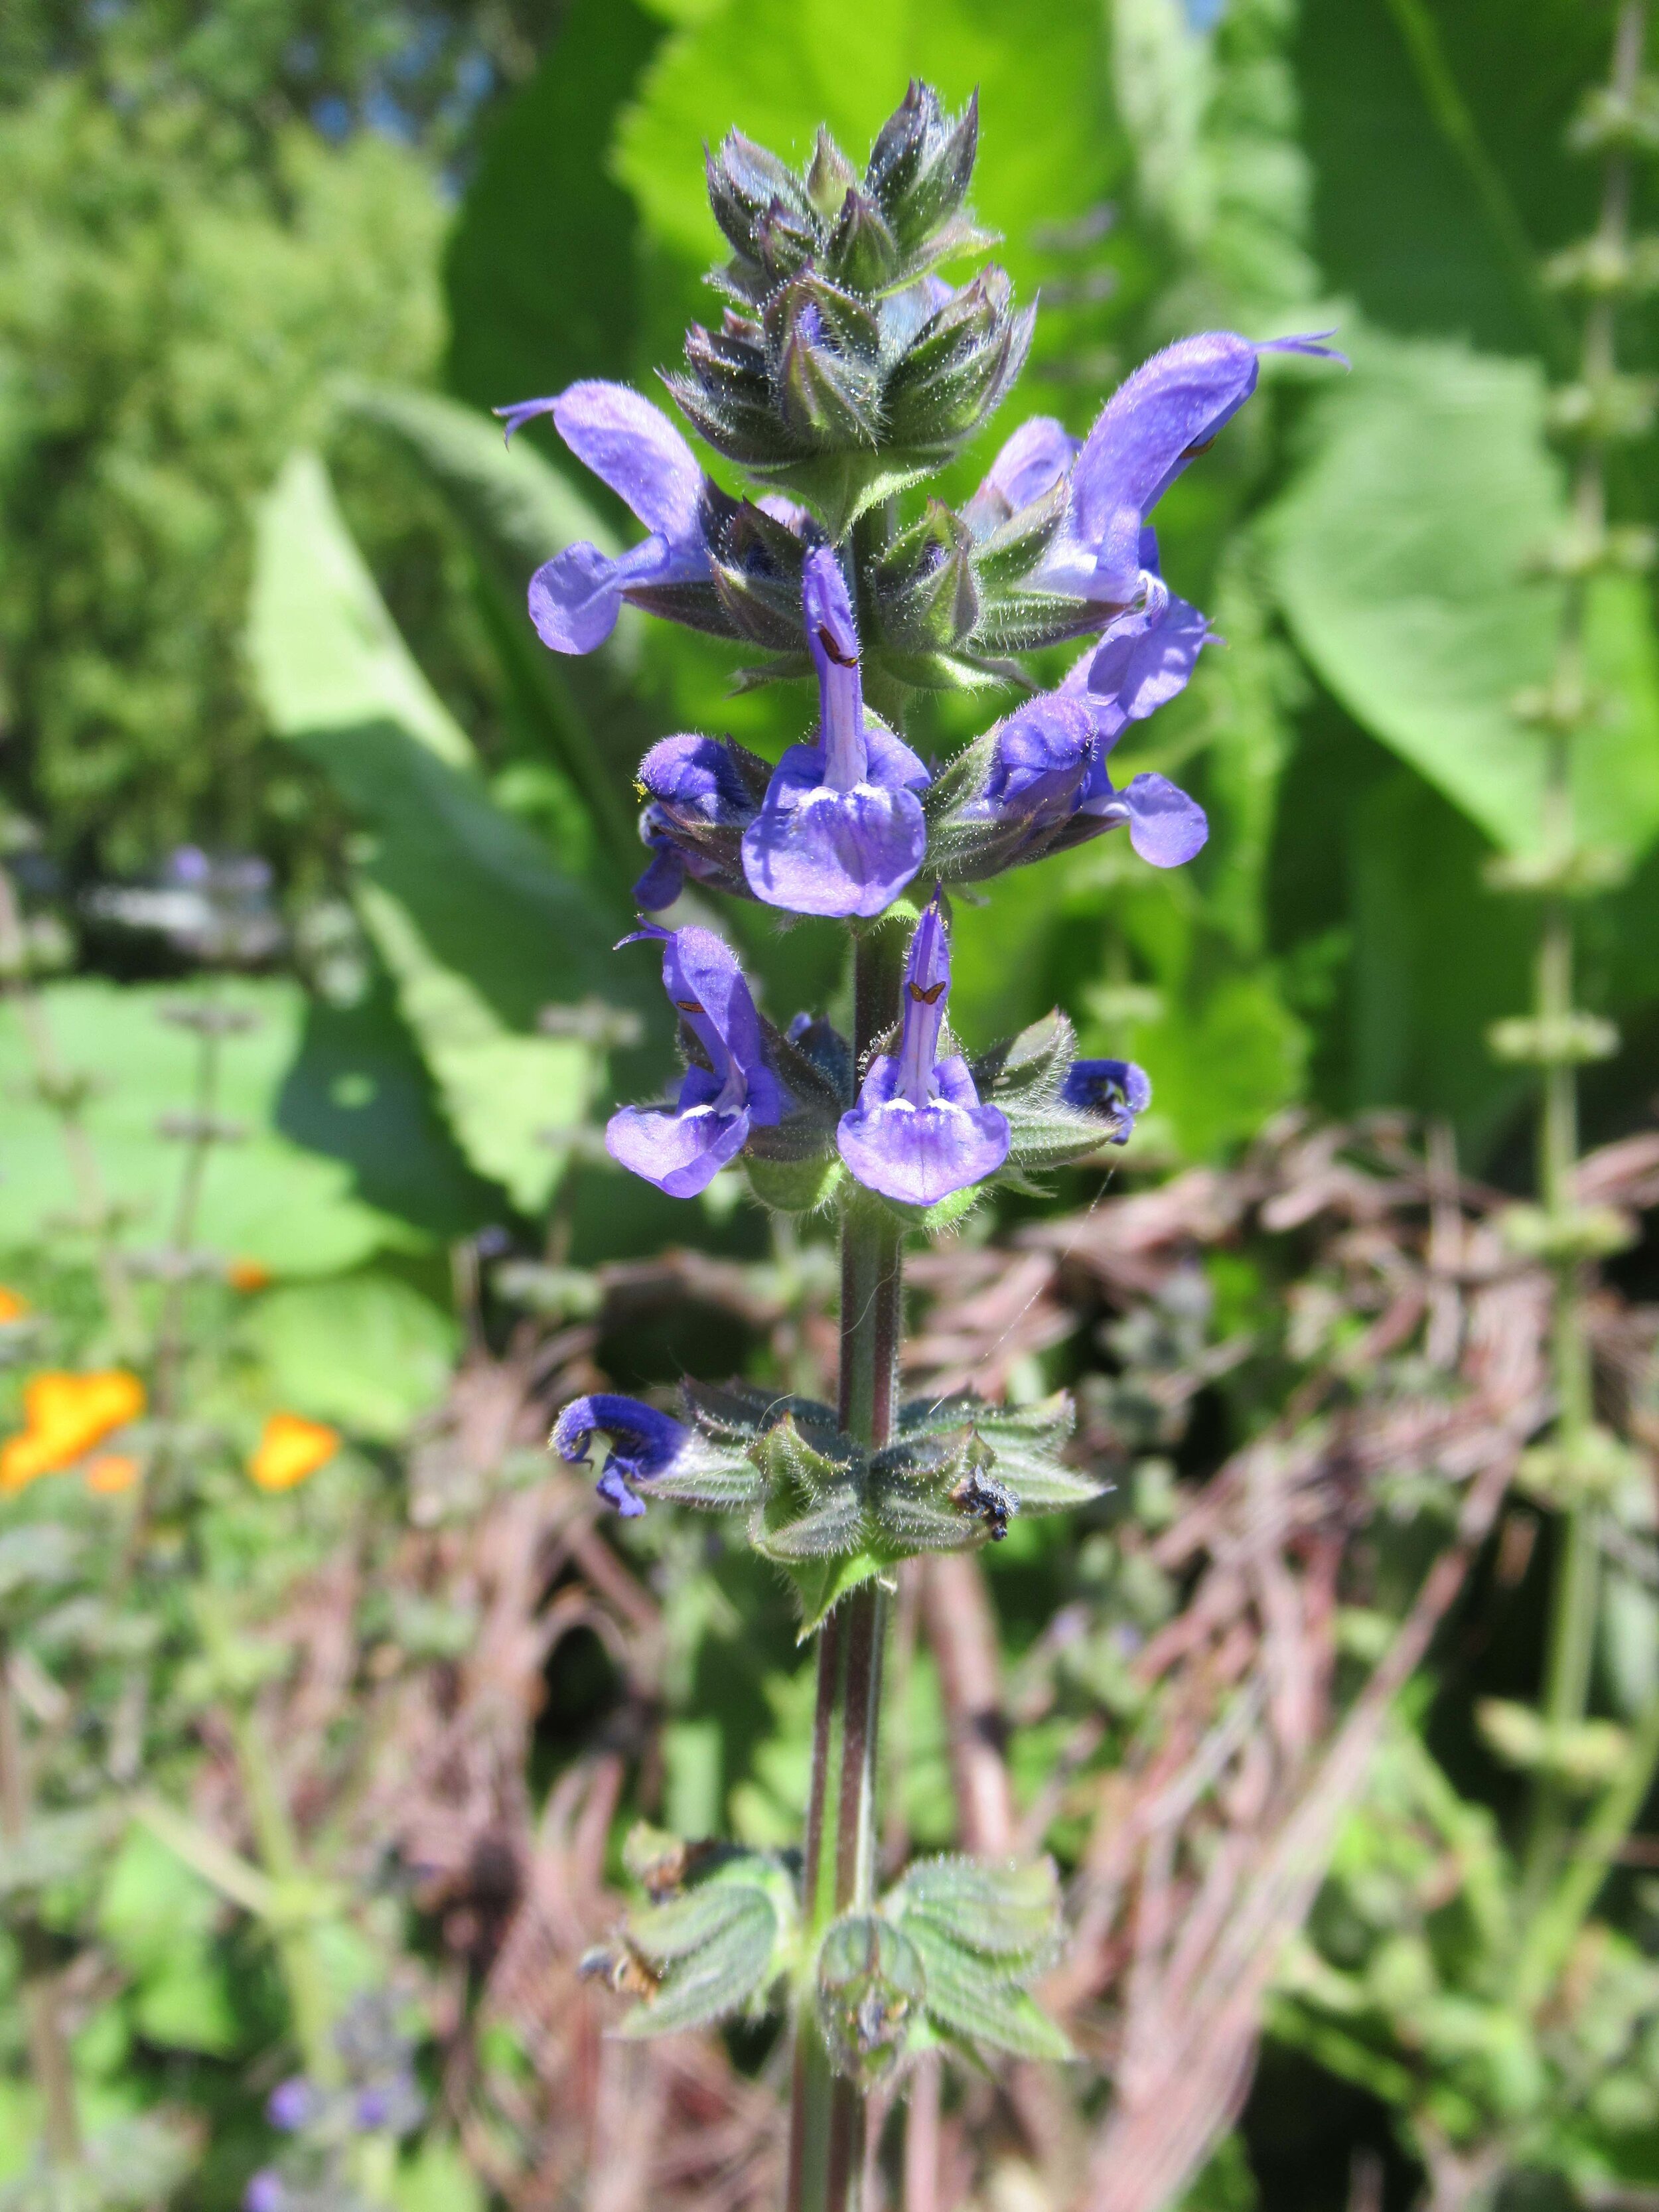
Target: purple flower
[
  {"x": 265, "y": 2192},
  {"x": 640, "y": 1441},
  {"x": 575, "y": 598},
  {"x": 1170, "y": 410},
  {"x": 1047, "y": 785},
  {"x": 291, "y": 2103},
  {"x": 1116, "y": 1088},
  {"x": 682, "y": 1148},
  {"x": 1030, "y": 465},
  {"x": 841, "y": 830},
  {"x": 919, "y": 1131},
  {"x": 703, "y": 795},
  {"x": 1145, "y": 658}
]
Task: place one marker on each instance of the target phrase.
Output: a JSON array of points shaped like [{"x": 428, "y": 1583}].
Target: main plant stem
[
  {"x": 48, "y": 2046},
  {"x": 1570, "y": 1649},
  {"x": 827, "y": 2111}
]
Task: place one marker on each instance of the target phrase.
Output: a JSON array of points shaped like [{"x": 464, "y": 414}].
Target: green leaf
[
  {"x": 478, "y": 928},
  {"x": 718, "y": 1949},
  {"x": 1009, "y": 1912},
  {"x": 264, "y": 1199},
  {"x": 369, "y": 1351},
  {"x": 504, "y": 1093},
  {"x": 1400, "y": 554},
  {"x": 540, "y": 270},
  {"x": 44, "y": 1553},
  {"x": 518, "y": 510},
  {"x": 821, "y": 1584},
  {"x": 970, "y": 2000},
  {"x": 158, "y": 1918},
  {"x": 814, "y": 1504}
]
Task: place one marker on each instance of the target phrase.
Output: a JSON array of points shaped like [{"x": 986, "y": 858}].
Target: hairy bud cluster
[{"x": 844, "y": 366}]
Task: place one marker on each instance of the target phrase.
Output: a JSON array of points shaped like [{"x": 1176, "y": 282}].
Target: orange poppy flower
[
  {"x": 290, "y": 1449},
  {"x": 111, "y": 1473},
  {"x": 13, "y": 1305},
  {"x": 64, "y": 1416},
  {"x": 247, "y": 1274}
]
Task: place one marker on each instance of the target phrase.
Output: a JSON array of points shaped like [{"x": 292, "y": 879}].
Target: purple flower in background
[
  {"x": 291, "y": 2104},
  {"x": 640, "y": 1442},
  {"x": 265, "y": 2192},
  {"x": 1032, "y": 462},
  {"x": 575, "y": 598},
  {"x": 682, "y": 1148},
  {"x": 919, "y": 1131},
  {"x": 1170, "y": 410},
  {"x": 702, "y": 795},
  {"x": 1116, "y": 1088},
  {"x": 841, "y": 830}
]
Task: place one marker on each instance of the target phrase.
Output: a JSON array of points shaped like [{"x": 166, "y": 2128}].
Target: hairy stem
[
  {"x": 48, "y": 2046},
  {"x": 1570, "y": 1636},
  {"x": 826, "y": 2111}
]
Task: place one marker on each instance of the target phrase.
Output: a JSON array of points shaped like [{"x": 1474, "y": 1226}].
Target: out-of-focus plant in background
[{"x": 324, "y": 1704}]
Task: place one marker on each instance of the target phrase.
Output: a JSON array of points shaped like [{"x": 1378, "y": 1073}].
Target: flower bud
[
  {"x": 959, "y": 366},
  {"x": 921, "y": 163},
  {"x": 926, "y": 593},
  {"x": 870, "y": 1982}
]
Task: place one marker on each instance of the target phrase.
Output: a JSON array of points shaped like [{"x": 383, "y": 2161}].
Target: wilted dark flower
[
  {"x": 640, "y": 1442},
  {"x": 1117, "y": 1090},
  {"x": 919, "y": 1131}
]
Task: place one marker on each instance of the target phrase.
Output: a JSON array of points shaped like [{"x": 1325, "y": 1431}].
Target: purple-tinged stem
[{"x": 826, "y": 2111}]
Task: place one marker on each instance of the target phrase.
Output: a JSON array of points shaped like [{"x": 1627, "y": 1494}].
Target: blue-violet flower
[
  {"x": 640, "y": 1442},
  {"x": 702, "y": 794},
  {"x": 1116, "y": 1088},
  {"x": 918, "y": 1132},
  {"x": 841, "y": 830},
  {"x": 1169, "y": 411},
  {"x": 575, "y": 598},
  {"x": 682, "y": 1148}
]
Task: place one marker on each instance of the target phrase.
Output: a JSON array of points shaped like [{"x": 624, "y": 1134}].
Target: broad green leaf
[
  {"x": 1400, "y": 555},
  {"x": 1008, "y": 1911},
  {"x": 54, "y": 1847},
  {"x": 263, "y": 1199},
  {"x": 503, "y": 1092},
  {"x": 726, "y": 1972},
  {"x": 478, "y": 929},
  {"x": 368, "y": 1352},
  {"x": 517, "y": 510},
  {"x": 158, "y": 1918},
  {"x": 1402, "y": 226},
  {"x": 541, "y": 266},
  {"x": 359, "y": 1091},
  {"x": 41, "y": 1554},
  {"x": 969, "y": 1998}
]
